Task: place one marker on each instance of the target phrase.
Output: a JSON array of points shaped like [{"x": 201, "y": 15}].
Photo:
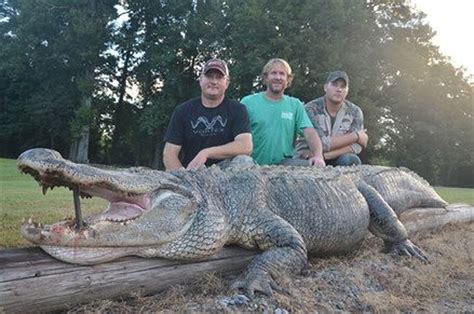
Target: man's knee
[{"x": 348, "y": 160}]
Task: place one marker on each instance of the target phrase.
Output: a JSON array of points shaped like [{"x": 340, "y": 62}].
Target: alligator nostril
[{"x": 77, "y": 206}]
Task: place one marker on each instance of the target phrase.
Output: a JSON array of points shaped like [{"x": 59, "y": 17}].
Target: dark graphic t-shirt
[{"x": 196, "y": 127}]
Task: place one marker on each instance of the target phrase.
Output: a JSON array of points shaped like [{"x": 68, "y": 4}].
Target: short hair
[{"x": 267, "y": 68}]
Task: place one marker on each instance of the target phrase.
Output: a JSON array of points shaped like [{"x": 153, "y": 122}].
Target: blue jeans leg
[{"x": 348, "y": 160}]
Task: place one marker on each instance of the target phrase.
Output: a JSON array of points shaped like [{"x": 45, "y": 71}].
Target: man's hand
[
  {"x": 363, "y": 138},
  {"x": 199, "y": 160},
  {"x": 317, "y": 161}
]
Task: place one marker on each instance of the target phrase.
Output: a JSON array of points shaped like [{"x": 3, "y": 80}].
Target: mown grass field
[{"x": 20, "y": 196}]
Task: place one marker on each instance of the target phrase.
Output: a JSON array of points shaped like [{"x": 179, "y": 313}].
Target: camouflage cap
[
  {"x": 216, "y": 64},
  {"x": 333, "y": 76}
]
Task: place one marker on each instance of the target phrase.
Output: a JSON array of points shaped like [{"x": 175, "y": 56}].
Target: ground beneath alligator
[{"x": 365, "y": 280}]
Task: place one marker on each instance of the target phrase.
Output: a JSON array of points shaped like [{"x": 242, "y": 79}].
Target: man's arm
[
  {"x": 170, "y": 156},
  {"x": 241, "y": 145},
  {"x": 315, "y": 146},
  {"x": 357, "y": 137}
]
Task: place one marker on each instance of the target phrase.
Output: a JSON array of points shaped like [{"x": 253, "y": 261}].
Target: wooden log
[
  {"x": 424, "y": 219},
  {"x": 32, "y": 281}
]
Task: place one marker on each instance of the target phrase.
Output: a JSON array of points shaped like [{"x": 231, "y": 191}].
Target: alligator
[{"x": 286, "y": 212}]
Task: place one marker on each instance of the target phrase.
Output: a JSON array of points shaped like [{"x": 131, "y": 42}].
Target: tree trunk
[{"x": 79, "y": 150}]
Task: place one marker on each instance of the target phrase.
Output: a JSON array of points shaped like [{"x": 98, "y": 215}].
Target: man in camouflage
[{"x": 339, "y": 123}]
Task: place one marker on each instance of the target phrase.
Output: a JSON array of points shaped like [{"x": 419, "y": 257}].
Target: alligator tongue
[{"x": 121, "y": 211}]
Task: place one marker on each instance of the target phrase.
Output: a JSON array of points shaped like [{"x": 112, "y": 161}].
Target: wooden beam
[{"x": 31, "y": 281}]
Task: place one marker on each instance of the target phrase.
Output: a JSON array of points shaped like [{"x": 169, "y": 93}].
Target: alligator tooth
[
  {"x": 45, "y": 189},
  {"x": 23, "y": 221},
  {"x": 30, "y": 221}
]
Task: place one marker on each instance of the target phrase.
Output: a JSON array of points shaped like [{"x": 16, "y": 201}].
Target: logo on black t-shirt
[{"x": 204, "y": 127}]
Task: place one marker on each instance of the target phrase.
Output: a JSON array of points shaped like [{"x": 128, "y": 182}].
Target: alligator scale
[{"x": 285, "y": 212}]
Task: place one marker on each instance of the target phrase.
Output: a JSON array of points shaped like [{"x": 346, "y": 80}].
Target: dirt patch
[{"x": 365, "y": 280}]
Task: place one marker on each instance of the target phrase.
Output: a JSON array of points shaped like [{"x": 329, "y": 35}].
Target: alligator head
[{"x": 147, "y": 209}]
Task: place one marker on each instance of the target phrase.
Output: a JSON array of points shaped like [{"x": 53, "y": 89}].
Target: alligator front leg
[
  {"x": 284, "y": 253},
  {"x": 384, "y": 224}
]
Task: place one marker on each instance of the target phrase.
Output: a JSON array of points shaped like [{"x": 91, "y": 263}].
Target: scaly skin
[{"x": 285, "y": 212}]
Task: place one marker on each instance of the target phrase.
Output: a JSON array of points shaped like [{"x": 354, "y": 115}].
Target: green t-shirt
[{"x": 275, "y": 125}]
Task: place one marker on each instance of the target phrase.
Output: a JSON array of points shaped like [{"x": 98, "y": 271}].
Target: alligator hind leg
[{"x": 384, "y": 224}]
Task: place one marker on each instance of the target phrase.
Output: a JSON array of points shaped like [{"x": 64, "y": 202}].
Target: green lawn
[
  {"x": 20, "y": 196},
  {"x": 456, "y": 195}
]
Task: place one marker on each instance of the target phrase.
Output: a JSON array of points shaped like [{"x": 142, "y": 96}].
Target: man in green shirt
[{"x": 276, "y": 120}]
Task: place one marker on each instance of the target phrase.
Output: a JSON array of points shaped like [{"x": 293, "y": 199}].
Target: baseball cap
[
  {"x": 333, "y": 76},
  {"x": 216, "y": 64}
]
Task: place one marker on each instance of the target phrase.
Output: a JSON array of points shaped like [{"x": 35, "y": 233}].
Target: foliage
[
  {"x": 49, "y": 52},
  {"x": 418, "y": 108}
]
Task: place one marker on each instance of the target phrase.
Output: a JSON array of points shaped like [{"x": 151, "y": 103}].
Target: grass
[
  {"x": 20, "y": 196},
  {"x": 456, "y": 195}
]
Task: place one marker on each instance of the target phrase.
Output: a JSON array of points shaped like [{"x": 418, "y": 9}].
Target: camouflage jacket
[{"x": 349, "y": 119}]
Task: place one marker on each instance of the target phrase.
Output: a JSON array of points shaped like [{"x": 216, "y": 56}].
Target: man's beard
[{"x": 278, "y": 90}]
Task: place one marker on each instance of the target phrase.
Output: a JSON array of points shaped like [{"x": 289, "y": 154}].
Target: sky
[{"x": 454, "y": 24}]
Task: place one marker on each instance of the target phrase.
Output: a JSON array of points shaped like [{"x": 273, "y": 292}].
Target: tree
[
  {"x": 417, "y": 106},
  {"x": 48, "y": 57}
]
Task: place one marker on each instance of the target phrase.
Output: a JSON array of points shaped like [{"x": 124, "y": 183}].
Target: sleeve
[
  {"x": 302, "y": 120},
  {"x": 311, "y": 109},
  {"x": 245, "y": 100},
  {"x": 175, "y": 131},
  {"x": 357, "y": 124},
  {"x": 241, "y": 120}
]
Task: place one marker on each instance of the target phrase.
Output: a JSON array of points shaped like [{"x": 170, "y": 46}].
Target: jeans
[{"x": 345, "y": 160}]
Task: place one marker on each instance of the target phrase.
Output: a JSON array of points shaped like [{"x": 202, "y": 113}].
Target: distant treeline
[{"x": 109, "y": 73}]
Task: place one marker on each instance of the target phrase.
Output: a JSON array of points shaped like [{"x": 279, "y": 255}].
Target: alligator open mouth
[
  {"x": 123, "y": 206},
  {"x": 146, "y": 209}
]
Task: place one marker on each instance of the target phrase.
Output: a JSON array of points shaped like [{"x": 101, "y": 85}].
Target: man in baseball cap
[
  {"x": 339, "y": 123},
  {"x": 208, "y": 129}
]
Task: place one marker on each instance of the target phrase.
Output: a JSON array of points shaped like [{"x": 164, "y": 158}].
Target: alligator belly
[{"x": 331, "y": 216}]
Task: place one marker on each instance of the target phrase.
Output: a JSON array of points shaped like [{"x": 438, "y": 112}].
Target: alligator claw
[
  {"x": 407, "y": 248},
  {"x": 256, "y": 283},
  {"x": 238, "y": 300}
]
